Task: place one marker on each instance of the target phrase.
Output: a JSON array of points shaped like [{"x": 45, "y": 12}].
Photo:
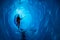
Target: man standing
[{"x": 18, "y": 19}]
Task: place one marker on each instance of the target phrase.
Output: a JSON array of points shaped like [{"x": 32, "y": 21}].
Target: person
[{"x": 18, "y": 21}]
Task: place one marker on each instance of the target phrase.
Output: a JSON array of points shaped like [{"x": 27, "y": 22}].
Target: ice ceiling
[{"x": 40, "y": 19}]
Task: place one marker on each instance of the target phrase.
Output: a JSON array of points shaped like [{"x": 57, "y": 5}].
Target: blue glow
[
  {"x": 24, "y": 14},
  {"x": 40, "y": 19},
  {"x": 31, "y": 15}
]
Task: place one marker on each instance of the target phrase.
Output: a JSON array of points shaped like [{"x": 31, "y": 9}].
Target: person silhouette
[{"x": 18, "y": 20}]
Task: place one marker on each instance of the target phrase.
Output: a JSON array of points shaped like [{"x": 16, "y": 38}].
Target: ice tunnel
[{"x": 30, "y": 20}]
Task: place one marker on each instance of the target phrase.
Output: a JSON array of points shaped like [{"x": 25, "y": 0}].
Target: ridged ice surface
[{"x": 40, "y": 19}]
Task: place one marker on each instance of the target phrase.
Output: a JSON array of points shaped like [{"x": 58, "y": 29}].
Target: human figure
[{"x": 18, "y": 20}]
